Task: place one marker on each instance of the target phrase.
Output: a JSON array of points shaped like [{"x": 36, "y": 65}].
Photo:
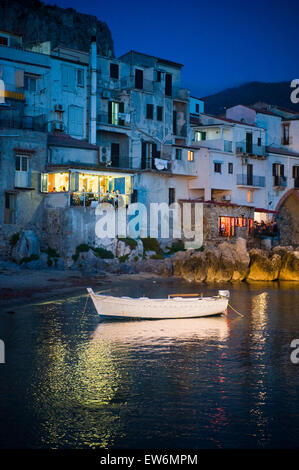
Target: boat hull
[{"x": 156, "y": 309}]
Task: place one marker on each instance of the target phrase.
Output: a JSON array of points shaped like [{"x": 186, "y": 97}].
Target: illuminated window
[
  {"x": 249, "y": 196},
  {"x": 55, "y": 182},
  {"x": 226, "y": 226},
  {"x": 190, "y": 156}
]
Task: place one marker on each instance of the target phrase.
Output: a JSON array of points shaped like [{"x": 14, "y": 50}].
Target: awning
[{"x": 265, "y": 211}]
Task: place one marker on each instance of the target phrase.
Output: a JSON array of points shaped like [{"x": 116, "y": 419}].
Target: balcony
[
  {"x": 217, "y": 144},
  {"x": 180, "y": 94},
  {"x": 251, "y": 180},
  {"x": 280, "y": 181},
  {"x": 245, "y": 148},
  {"x": 11, "y": 92},
  {"x": 34, "y": 123},
  {"x": 115, "y": 119}
]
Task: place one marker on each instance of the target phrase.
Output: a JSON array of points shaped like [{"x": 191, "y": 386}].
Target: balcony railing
[
  {"x": 280, "y": 181},
  {"x": 115, "y": 119},
  {"x": 34, "y": 123},
  {"x": 180, "y": 93},
  {"x": 93, "y": 199},
  {"x": 227, "y": 146},
  {"x": 244, "y": 147},
  {"x": 10, "y": 91},
  {"x": 251, "y": 180}
]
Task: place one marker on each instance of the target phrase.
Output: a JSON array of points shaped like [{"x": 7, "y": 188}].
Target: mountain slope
[
  {"x": 39, "y": 22},
  {"x": 249, "y": 93}
]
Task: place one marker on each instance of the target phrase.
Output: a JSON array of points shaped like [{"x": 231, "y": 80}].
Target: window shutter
[
  {"x": 121, "y": 109},
  {"x": 281, "y": 170},
  {"x": 274, "y": 171},
  {"x": 139, "y": 79},
  {"x": 109, "y": 112},
  {"x": 44, "y": 182},
  {"x": 174, "y": 123},
  {"x": 168, "y": 84},
  {"x": 19, "y": 78},
  {"x": 74, "y": 182}
]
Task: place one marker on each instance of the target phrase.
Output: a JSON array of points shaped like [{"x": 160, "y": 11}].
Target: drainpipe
[{"x": 93, "y": 92}]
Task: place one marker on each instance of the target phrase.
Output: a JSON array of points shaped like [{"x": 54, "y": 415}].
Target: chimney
[{"x": 93, "y": 92}]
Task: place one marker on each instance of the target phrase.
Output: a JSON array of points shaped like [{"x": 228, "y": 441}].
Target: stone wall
[
  {"x": 29, "y": 201},
  {"x": 211, "y": 214}
]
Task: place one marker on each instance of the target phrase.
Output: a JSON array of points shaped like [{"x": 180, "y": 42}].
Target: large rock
[
  {"x": 109, "y": 244},
  {"x": 122, "y": 249},
  {"x": 290, "y": 266},
  {"x": 163, "y": 267},
  {"x": 27, "y": 245},
  {"x": 193, "y": 268},
  {"x": 90, "y": 263},
  {"x": 264, "y": 266},
  {"x": 234, "y": 260}
]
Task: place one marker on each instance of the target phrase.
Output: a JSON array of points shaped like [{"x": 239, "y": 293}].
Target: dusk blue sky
[{"x": 221, "y": 43}]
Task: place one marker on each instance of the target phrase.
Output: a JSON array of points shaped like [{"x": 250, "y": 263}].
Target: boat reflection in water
[{"x": 161, "y": 332}]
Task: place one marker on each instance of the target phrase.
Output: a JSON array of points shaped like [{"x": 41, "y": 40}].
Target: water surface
[{"x": 222, "y": 382}]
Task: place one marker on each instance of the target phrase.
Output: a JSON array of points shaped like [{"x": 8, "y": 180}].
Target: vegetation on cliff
[{"x": 38, "y": 22}]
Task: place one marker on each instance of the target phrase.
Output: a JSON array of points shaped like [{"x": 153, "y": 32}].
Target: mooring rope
[{"x": 236, "y": 311}]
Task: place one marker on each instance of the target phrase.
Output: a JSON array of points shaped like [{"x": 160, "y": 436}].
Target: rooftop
[{"x": 159, "y": 59}]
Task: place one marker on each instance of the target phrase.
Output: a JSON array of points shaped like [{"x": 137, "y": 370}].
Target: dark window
[
  {"x": 285, "y": 134},
  {"x": 168, "y": 84},
  {"x": 115, "y": 155},
  {"x": 21, "y": 163},
  {"x": 138, "y": 79},
  {"x": 134, "y": 197},
  {"x": 30, "y": 83},
  {"x": 250, "y": 174},
  {"x": 121, "y": 109},
  {"x": 80, "y": 77},
  {"x": 149, "y": 111},
  {"x": 178, "y": 154},
  {"x": 295, "y": 171},
  {"x": 197, "y": 108},
  {"x": 114, "y": 70},
  {"x": 296, "y": 176},
  {"x": 217, "y": 167},
  {"x": 3, "y": 41},
  {"x": 259, "y": 141},
  {"x": 155, "y": 152},
  {"x": 10, "y": 208},
  {"x": 159, "y": 113},
  {"x": 248, "y": 142},
  {"x": 171, "y": 195},
  {"x": 230, "y": 168},
  {"x": 159, "y": 76},
  {"x": 174, "y": 123},
  {"x": 277, "y": 169}
]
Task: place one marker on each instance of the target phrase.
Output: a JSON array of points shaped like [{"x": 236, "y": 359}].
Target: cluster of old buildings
[{"x": 76, "y": 127}]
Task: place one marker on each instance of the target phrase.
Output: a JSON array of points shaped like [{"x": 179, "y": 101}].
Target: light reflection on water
[{"x": 198, "y": 383}]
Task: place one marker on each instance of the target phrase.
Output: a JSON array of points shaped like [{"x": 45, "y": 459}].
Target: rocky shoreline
[{"x": 227, "y": 262}]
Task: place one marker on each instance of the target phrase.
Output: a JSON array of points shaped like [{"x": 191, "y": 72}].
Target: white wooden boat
[{"x": 176, "y": 306}]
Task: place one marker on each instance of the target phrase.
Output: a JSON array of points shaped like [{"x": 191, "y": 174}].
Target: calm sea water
[{"x": 224, "y": 382}]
